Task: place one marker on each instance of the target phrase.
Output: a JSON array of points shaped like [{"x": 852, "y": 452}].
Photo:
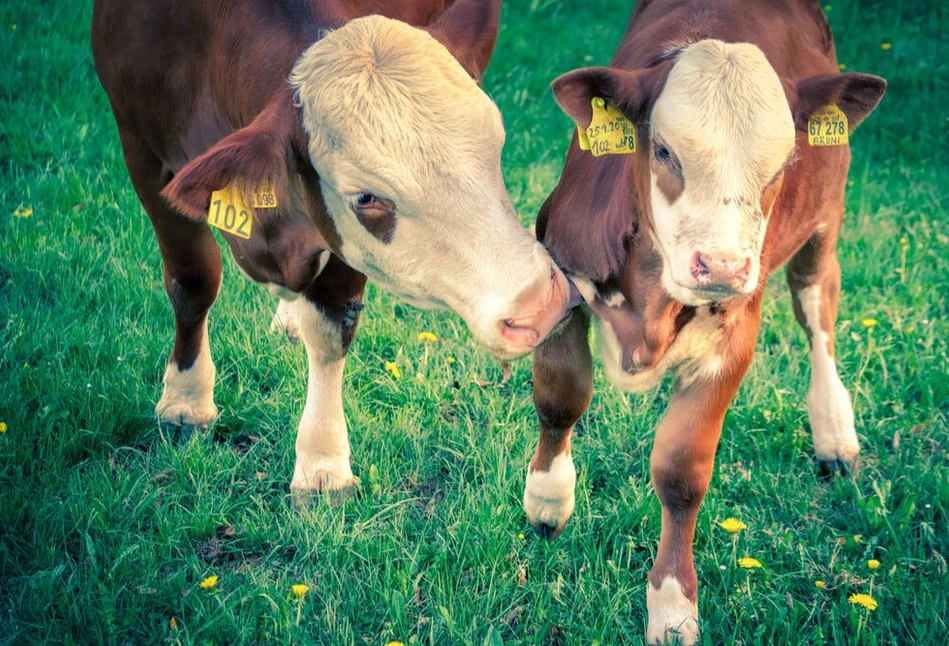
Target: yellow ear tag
[
  {"x": 609, "y": 132},
  {"x": 229, "y": 212},
  {"x": 828, "y": 127}
]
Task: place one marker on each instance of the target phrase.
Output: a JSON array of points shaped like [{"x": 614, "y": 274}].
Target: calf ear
[
  {"x": 855, "y": 94},
  {"x": 632, "y": 91},
  {"x": 252, "y": 154},
  {"x": 469, "y": 30}
]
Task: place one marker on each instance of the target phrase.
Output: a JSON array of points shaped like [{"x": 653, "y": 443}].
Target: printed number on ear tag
[
  {"x": 609, "y": 132},
  {"x": 828, "y": 127},
  {"x": 230, "y": 213}
]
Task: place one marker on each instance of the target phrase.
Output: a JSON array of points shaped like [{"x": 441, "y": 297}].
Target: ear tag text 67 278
[
  {"x": 828, "y": 127},
  {"x": 229, "y": 212},
  {"x": 609, "y": 132}
]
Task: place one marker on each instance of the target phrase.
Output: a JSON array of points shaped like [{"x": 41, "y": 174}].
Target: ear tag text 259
[
  {"x": 828, "y": 127},
  {"x": 229, "y": 212},
  {"x": 609, "y": 132}
]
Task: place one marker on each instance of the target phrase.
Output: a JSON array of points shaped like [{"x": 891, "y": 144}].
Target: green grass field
[{"x": 107, "y": 526}]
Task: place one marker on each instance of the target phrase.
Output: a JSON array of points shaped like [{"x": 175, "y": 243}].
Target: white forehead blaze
[{"x": 724, "y": 113}]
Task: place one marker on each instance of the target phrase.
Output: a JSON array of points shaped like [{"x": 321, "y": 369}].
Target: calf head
[
  {"x": 717, "y": 128},
  {"x": 402, "y": 150}
]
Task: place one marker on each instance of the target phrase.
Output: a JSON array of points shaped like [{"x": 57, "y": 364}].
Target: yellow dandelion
[
  {"x": 300, "y": 590},
  {"x": 864, "y": 600},
  {"x": 904, "y": 241},
  {"x": 449, "y": 359},
  {"x": 873, "y": 564},
  {"x": 749, "y": 563},
  {"x": 820, "y": 584},
  {"x": 520, "y": 537},
  {"x": 3, "y": 427},
  {"x": 22, "y": 212},
  {"x": 209, "y": 582},
  {"x": 885, "y": 46},
  {"x": 427, "y": 337},
  {"x": 732, "y": 525},
  {"x": 868, "y": 323},
  {"x": 841, "y": 67},
  {"x": 394, "y": 643},
  {"x": 393, "y": 368}
]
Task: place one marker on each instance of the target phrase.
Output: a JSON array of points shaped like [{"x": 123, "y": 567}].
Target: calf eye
[
  {"x": 364, "y": 200},
  {"x": 662, "y": 155}
]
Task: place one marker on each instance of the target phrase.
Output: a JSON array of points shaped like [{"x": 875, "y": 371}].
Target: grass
[{"x": 107, "y": 526}]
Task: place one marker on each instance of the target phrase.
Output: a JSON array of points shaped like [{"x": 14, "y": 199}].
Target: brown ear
[
  {"x": 633, "y": 92},
  {"x": 469, "y": 30},
  {"x": 856, "y": 94},
  {"x": 254, "y": 153}
]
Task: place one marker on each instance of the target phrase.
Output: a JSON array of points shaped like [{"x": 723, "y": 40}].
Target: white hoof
[
  {"x": 322, "y": 475},
  {"x": 284, "y": 321},
  {"x": 188, "y": 396},
  {"x": 549, "y": 496},
  {"x": 673, "y": 619},
  {"x": 831, "y": 416}
]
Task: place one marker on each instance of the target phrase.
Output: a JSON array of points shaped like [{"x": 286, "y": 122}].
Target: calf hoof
[
  {"x": 323, "y": 476},
  {"x": 549, "y": 497},
  {"x": 830, "y": 469},
  {"x": 284, "y": 321},
  {"x": 673, "y": 618},
  {"x": 198, "y": 414}
]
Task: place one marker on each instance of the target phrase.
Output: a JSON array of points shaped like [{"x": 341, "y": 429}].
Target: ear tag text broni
[
  {"x": 609, "y": 132},
  {"x": 828, "y": 127},
  {"x": 229, "y": 212}
]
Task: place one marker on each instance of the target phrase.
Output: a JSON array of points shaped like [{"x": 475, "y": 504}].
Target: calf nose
[
  {"x": 536, "y": 311},
  {"x": 721, "y": 271}
]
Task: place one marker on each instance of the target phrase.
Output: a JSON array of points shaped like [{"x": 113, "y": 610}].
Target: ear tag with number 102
[
  {"x": 828, "y": 127},
  {"x": 609, "y": 132},
  {"x": 229, "y": 212}
]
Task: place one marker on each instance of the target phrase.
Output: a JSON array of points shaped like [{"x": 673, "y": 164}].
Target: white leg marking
[
  {"x": 828, "y": 402},
  {"x": 549, "y": 495},
  {"x": 671, "y": 615},
  {"x": 284, "y": 321},
  {"x": 188, "y": 396},
  {"x": 322, "y": 446}
]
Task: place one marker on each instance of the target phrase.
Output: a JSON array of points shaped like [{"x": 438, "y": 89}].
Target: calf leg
[
  {"x": 563, "y": 387},
  {"x": 681, "y": 464},
  {"x": 192, "y": 271},
  {"x": 325, "y": 319},
  {"x": 814, "y": 277}
]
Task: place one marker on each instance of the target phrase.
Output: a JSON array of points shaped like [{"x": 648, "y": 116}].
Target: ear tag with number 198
[{"x": 229, "y": 212}]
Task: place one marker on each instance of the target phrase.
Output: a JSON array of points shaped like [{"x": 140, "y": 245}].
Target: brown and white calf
[
  {"x": 671, "y": 245},
  {"x": 370, "y": 136}
]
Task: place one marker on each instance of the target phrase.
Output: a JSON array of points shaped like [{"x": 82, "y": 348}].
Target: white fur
[
  {"x": 188, "y": 395},
  {"x": 549, "y": 495},
  {"x": 389, "y": 111},
  {"x": 284, "y": 321},
  {"x": 724, "y": 114},
  {"x": 828, "y": 402},
  {"x": 671, "y": 615},
  {"x": 322, "y": 445}
]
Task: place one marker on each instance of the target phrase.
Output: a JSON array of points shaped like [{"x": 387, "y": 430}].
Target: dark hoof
[
  {"x": 830, "y": 469},
  {"x": 548, "y": 532}
]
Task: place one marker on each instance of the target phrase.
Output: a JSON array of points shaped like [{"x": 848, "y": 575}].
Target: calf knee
[{"x": 680, "y": 484}]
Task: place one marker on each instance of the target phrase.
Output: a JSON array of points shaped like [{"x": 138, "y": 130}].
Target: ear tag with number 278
[
  {"x": 230, "y": 213},
  {"x": 828, "y": 127},
  {"x": 609, "y": 132}
]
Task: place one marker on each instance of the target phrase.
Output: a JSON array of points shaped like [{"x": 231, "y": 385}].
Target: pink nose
[
  {"x": 721, "y": 271},
  {"x": 537, "y": 310}
]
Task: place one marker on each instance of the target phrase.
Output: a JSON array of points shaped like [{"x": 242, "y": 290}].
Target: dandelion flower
[
  {"x": 749, "y": 563},
  {"x": 868, "y": 323},
  {"x": 22, "y": 212},
  {"x": 520, "y": 537},
  {"x": 3, "y": 427},
  {"x": 841, "y": 67},
  {"x": 394, "y": 643},
  {"x": 820, "y": 584},
  {"x": 209, "y": 582},
  {"x": 449, "y": 359},
  {"x": 864, "y": 600},
  {"x": 732, "y": 525},
  {"x": 427, "y": 337},
  {"x": 873, "y": 564},
  {"x": 300, "y": 590},
  {"x": 904, "y": 241},
  {"x": 393, "y": 368},
  {"x": 885, "y": 46}
]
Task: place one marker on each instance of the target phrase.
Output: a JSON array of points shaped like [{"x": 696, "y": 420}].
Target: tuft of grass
[{"x": 108, "y": 527}]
